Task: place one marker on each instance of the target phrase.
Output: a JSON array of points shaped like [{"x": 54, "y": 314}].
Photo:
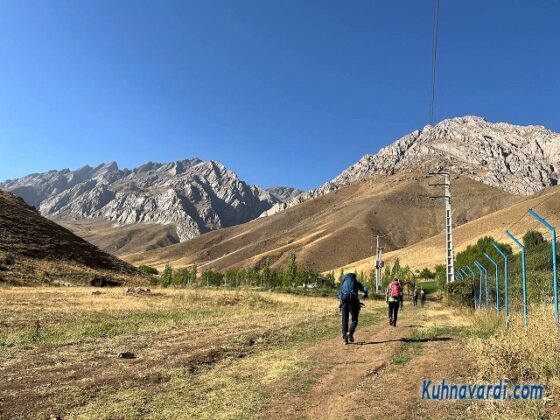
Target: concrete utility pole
[
  {"x": 378, "y": 266},
  {"x": 450, "y": 255}
]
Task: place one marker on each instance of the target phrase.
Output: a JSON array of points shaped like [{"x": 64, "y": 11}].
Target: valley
[
  {"x": 332, "y": 230},
  {"x": 163, "y": 333}
]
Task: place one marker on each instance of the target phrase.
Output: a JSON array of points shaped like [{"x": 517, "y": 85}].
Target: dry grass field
[
  {"x": 198, "y": 354},
  {"x": 214, "y": 354}
]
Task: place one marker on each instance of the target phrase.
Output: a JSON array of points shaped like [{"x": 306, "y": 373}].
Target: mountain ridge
[
  {"x": 194, "y": 195},
  {"x": 517, "y": 159},
  {"x": 199, "y": 196}
]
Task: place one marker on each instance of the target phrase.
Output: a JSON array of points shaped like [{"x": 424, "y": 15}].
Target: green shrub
[
  {"x": 182, "y": 277},
  {"x": 148, "y": 270},
  {"x": 167, "y": 276}
]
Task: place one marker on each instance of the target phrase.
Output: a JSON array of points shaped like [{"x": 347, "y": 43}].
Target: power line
[
  {"x": 435, "y": 31},
  {"x": 546, "y": 198}
]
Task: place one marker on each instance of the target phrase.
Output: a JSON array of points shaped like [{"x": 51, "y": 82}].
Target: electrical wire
[
  {"x": 525, "y": 215},
  {"x": 435, "y": 32}
]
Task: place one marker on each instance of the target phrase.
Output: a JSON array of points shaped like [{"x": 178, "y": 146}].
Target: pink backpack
[{"x": 395, "y": 289}]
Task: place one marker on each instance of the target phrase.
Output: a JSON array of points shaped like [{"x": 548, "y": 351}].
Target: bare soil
[{"x": 361, "y": 380}]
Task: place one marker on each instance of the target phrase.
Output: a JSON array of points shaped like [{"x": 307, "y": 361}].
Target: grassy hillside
[
  {"x": 34, "y": 249},
  {"x": 337, "y": 228},
  {"x": 429, "y": 252},
  {"x": 121, "y": 240}
]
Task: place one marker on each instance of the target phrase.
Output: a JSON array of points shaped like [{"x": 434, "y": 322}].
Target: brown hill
[
  {"x": 429, "y": 252},
  {"x": 33, "y": 248},
  {"x": 337, "y": 228},
  {"x": 122, "y": 240}
]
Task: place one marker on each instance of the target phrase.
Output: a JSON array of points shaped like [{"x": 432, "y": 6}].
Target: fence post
[
  {"x": 474, "y": 291},
  {"x": 496, "y": 281},
  {"x": 479, "y": 284},
  {"x": 523, "y": 273},
  {"x": 506, "y": 283},
  {"x": 483, "y": 269},
  {"x": 554, "y": 263}
]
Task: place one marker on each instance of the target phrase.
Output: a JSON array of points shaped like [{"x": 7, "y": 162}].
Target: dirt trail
[{"x": 361, "y": 380}]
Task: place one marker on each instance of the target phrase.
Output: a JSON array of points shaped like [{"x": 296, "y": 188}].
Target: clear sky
[{"x": 283, "y": 92}]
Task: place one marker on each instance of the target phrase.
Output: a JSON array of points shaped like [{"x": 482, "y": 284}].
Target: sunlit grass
[{"x": 256, "y": 340}]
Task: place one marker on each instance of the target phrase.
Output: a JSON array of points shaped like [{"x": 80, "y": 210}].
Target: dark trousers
[
  {"x": 393, "y": 312},
  {"x": 350, "y": 308}
]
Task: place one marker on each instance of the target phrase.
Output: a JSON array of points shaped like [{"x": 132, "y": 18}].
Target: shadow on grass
[{"x": 402, "y": 340}]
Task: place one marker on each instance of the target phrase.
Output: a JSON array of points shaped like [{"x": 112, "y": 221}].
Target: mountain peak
[
  {"x": 517, "y": 159},
  {"x": 194, "y": 195}
]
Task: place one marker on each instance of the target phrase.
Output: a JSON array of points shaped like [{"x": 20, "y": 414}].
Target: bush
[
  {"x": 167, "y": 276},
  {"x": 533, "y": 239},
  {"x": 149, "y": 270},
  {"x": 461, "y": 292},
  {"x": 212, "y": 278}
]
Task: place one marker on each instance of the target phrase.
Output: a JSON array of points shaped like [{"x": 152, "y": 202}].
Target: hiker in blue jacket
[{"x": 350, "y": 305}]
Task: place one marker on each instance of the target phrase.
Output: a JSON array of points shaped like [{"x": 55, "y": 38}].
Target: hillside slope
[
  {"x": 336, "y": 228},
  {"x": 33, "y": 247},
  {"x": 121, "y": 240},
  {"x": 431, "y": 251}
]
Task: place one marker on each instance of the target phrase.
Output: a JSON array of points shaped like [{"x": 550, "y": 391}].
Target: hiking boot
[
  {"x": 351, "y": 338},
  {"x": 345, "y": 340},
  {"x": 391, "y": 322}
]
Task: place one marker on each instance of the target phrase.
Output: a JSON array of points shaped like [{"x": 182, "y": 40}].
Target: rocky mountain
[
  {"x": 284, "y": 194},
  {"x": 287, "y": 197},
  {"x": 193, "y": 195},
  {"x": 516, "y": 159}
]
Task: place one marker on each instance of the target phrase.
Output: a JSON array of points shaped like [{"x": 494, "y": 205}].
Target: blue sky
[{"x": 283, "y": 92}]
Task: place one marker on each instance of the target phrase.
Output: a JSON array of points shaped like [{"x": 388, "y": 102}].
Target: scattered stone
[
  {"x": 136, "y": 291},
  {"x": 126, "y": 355},
  {"x": 97, "y": 293}
]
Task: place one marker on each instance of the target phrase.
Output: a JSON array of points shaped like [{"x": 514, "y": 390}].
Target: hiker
[
  {"x": 393, "y": 298},
  {"x": 350, "y": 305},
  {"x": 422, "y": 297},
  {"x": 401, "y": 283},
  {"x": 415, "y": 296}
]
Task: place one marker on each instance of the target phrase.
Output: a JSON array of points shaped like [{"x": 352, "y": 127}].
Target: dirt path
[{"x": 363, "y": 380}]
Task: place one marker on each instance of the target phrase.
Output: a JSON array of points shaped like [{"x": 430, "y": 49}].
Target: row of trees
[
  {"x": 290, "y": 276},
  {"x": 538, "y": 267}
]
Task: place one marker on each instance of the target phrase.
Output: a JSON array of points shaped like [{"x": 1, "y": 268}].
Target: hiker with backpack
[
  {"x": 350, "y": 305},
  {"x": 422, "y": 297},
  {"x": 415, "y": 296},
  {"x": 393, "y": 298},
  {"x": 401, "y": 283}
]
